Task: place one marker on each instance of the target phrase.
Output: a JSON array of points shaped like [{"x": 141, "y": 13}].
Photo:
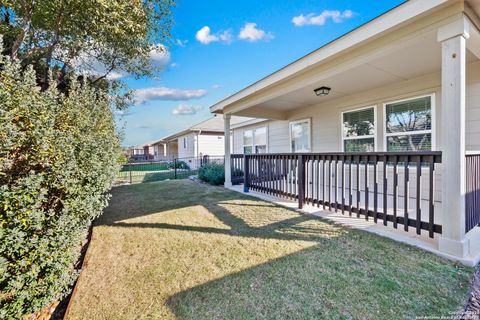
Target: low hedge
[
  {"x": 212, "y": 173},
  {"x": 59, "y": 155},
  {"x": 179, "y": 165}
]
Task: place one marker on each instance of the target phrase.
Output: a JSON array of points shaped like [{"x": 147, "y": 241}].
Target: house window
[
  {"x": 255, "y": 140},
  {"x": 300, "y": 136},
  {"x": 185, "y": 143},
  {"x": 408, "y": 125},
  {"x": 358, "y": 130},
  {"x": 247, "y": 141},
  {"x": 260, "y": 140}
]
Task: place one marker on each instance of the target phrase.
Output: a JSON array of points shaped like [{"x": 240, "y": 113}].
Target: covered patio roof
[{"x": 400, "y": 45}]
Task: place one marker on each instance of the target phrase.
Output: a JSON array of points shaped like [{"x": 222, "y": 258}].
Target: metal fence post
[
  {"x": 175, "y": 168},
  {"x": 246, "y": 174},
  {"x": 301, "y": 181},
  {"x": 130, "y": 171}
]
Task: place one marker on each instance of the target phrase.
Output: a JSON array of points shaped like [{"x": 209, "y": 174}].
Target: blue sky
[{"x": 219, "y": 47}]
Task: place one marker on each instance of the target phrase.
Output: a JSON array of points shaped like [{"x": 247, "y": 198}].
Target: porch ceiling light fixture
[{"x": 322, "y": 91}]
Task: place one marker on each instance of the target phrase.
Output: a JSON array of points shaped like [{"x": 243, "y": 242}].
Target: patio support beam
[
  {"x": 228, "y": 171},
  {"x": 453, "y": 38}
]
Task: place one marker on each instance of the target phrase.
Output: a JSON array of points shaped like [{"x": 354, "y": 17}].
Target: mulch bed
[
  {"x": 58, "y": 309},
  {"x": 472, "y": 308}
]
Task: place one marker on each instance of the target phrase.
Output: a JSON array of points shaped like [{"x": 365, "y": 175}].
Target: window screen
[
  {"x": 359, "y": 130},
  {"x": 408, "y": 125},
  {"x": 300, "y": 136}
]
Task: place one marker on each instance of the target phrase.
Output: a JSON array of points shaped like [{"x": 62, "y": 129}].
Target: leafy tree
[{"x": 106, "y": 35}]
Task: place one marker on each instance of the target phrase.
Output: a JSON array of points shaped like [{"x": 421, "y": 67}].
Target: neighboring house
[
  {"x": 204, "y": 138},
  {"x": 148, "y": 151},
  {"x": 403, "y": 93},
  {"x": 163, "y": 151},
  {"x": 138, "y": 153}
]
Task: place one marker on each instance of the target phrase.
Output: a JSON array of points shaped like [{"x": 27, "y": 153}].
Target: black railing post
[
  {"x": 301, "y": 181},
  {"x": 175, "y": 168},
  {"x": 246, "y": 174}
]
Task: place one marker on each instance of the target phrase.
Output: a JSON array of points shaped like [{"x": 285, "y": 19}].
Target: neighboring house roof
[
  {"x": 214, "y": 124},
  {"x": 387, "y": 22}
]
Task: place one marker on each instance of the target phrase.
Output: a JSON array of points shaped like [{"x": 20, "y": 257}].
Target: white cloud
[
  {"x": 181, "y": 43},
  {"x": 123, "y": 113},
  {"x": 226, "y": 36},
  {"x": 143, "y": 126},
  {"x": 168, "y": 94},
  {"x": 216, "y": 86},
  {"x": 115, "y": 75},
  {"x": 251, "y": 33},
  {"x": 319, "y": 20},
  {"x": 160, "y": 57},
  {"x": 87, "y": 63},
  {"x": 186, "y": 109},
  {"x": 205, "y": 36}
]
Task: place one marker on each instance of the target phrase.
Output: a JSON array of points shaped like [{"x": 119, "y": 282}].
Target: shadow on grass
[
  {"x": 345, "y": 273},
  {"x": 316, "y": 283},
  {"x": 217, "y": 201}
]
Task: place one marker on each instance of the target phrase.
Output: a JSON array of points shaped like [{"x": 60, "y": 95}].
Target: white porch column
[
  {"x": 228, "y": 171},
  {"x": 453, "y": 38}
]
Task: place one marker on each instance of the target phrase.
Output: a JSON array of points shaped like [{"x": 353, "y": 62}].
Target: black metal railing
[
  {"x": 472, "y": 192},
  {"x": 236, "y": 163},
  {"x": 389, "y": 187}
]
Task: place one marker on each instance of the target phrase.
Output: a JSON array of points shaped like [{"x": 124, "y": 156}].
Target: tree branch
[
  {"x": 27, "y": 20},
  {"x": 112, "y": 66}
]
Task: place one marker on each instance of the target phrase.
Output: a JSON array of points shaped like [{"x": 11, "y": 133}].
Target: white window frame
[
  {"x": 375, "y": 125},
  {"x": 253, "y": 145},
  {"x": 432, "y": 131},
  {"x": 309, "y": 121},
  {"x": 185, "y": 143},
  {"x": 243, "y": 141}
]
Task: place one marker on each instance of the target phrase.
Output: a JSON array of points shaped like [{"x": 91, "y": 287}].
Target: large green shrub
[
  {"x": 212, "y": 173},
  {"x": 58, "y": 157}
]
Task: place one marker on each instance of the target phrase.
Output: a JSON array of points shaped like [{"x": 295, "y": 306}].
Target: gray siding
[
  {"x": 210, "y": 144},
  {"x": 472, "y": 138},
  {"x": 189, "y": 151}
]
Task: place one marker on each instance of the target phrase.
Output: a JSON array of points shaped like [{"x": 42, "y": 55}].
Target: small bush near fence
[
  {"x": 58, "y": 158},
  {"x": 179, "y": 165},
  {"x": 212, "y": 173}
]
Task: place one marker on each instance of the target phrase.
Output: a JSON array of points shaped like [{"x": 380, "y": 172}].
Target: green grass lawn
[
  {"x": 180, "y": 250},
  {"x": 153, "y": 166},
  {"x": 145, "y": 167},
  {"x": 145, "y": 176}
]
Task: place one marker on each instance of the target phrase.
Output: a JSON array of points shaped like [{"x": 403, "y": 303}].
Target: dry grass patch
[{"x": 179, "y": 250}]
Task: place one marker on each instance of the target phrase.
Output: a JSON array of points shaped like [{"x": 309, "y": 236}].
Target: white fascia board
[
  {"x": 247, "y": 123},
  {"x": 388, "y": 20}
]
